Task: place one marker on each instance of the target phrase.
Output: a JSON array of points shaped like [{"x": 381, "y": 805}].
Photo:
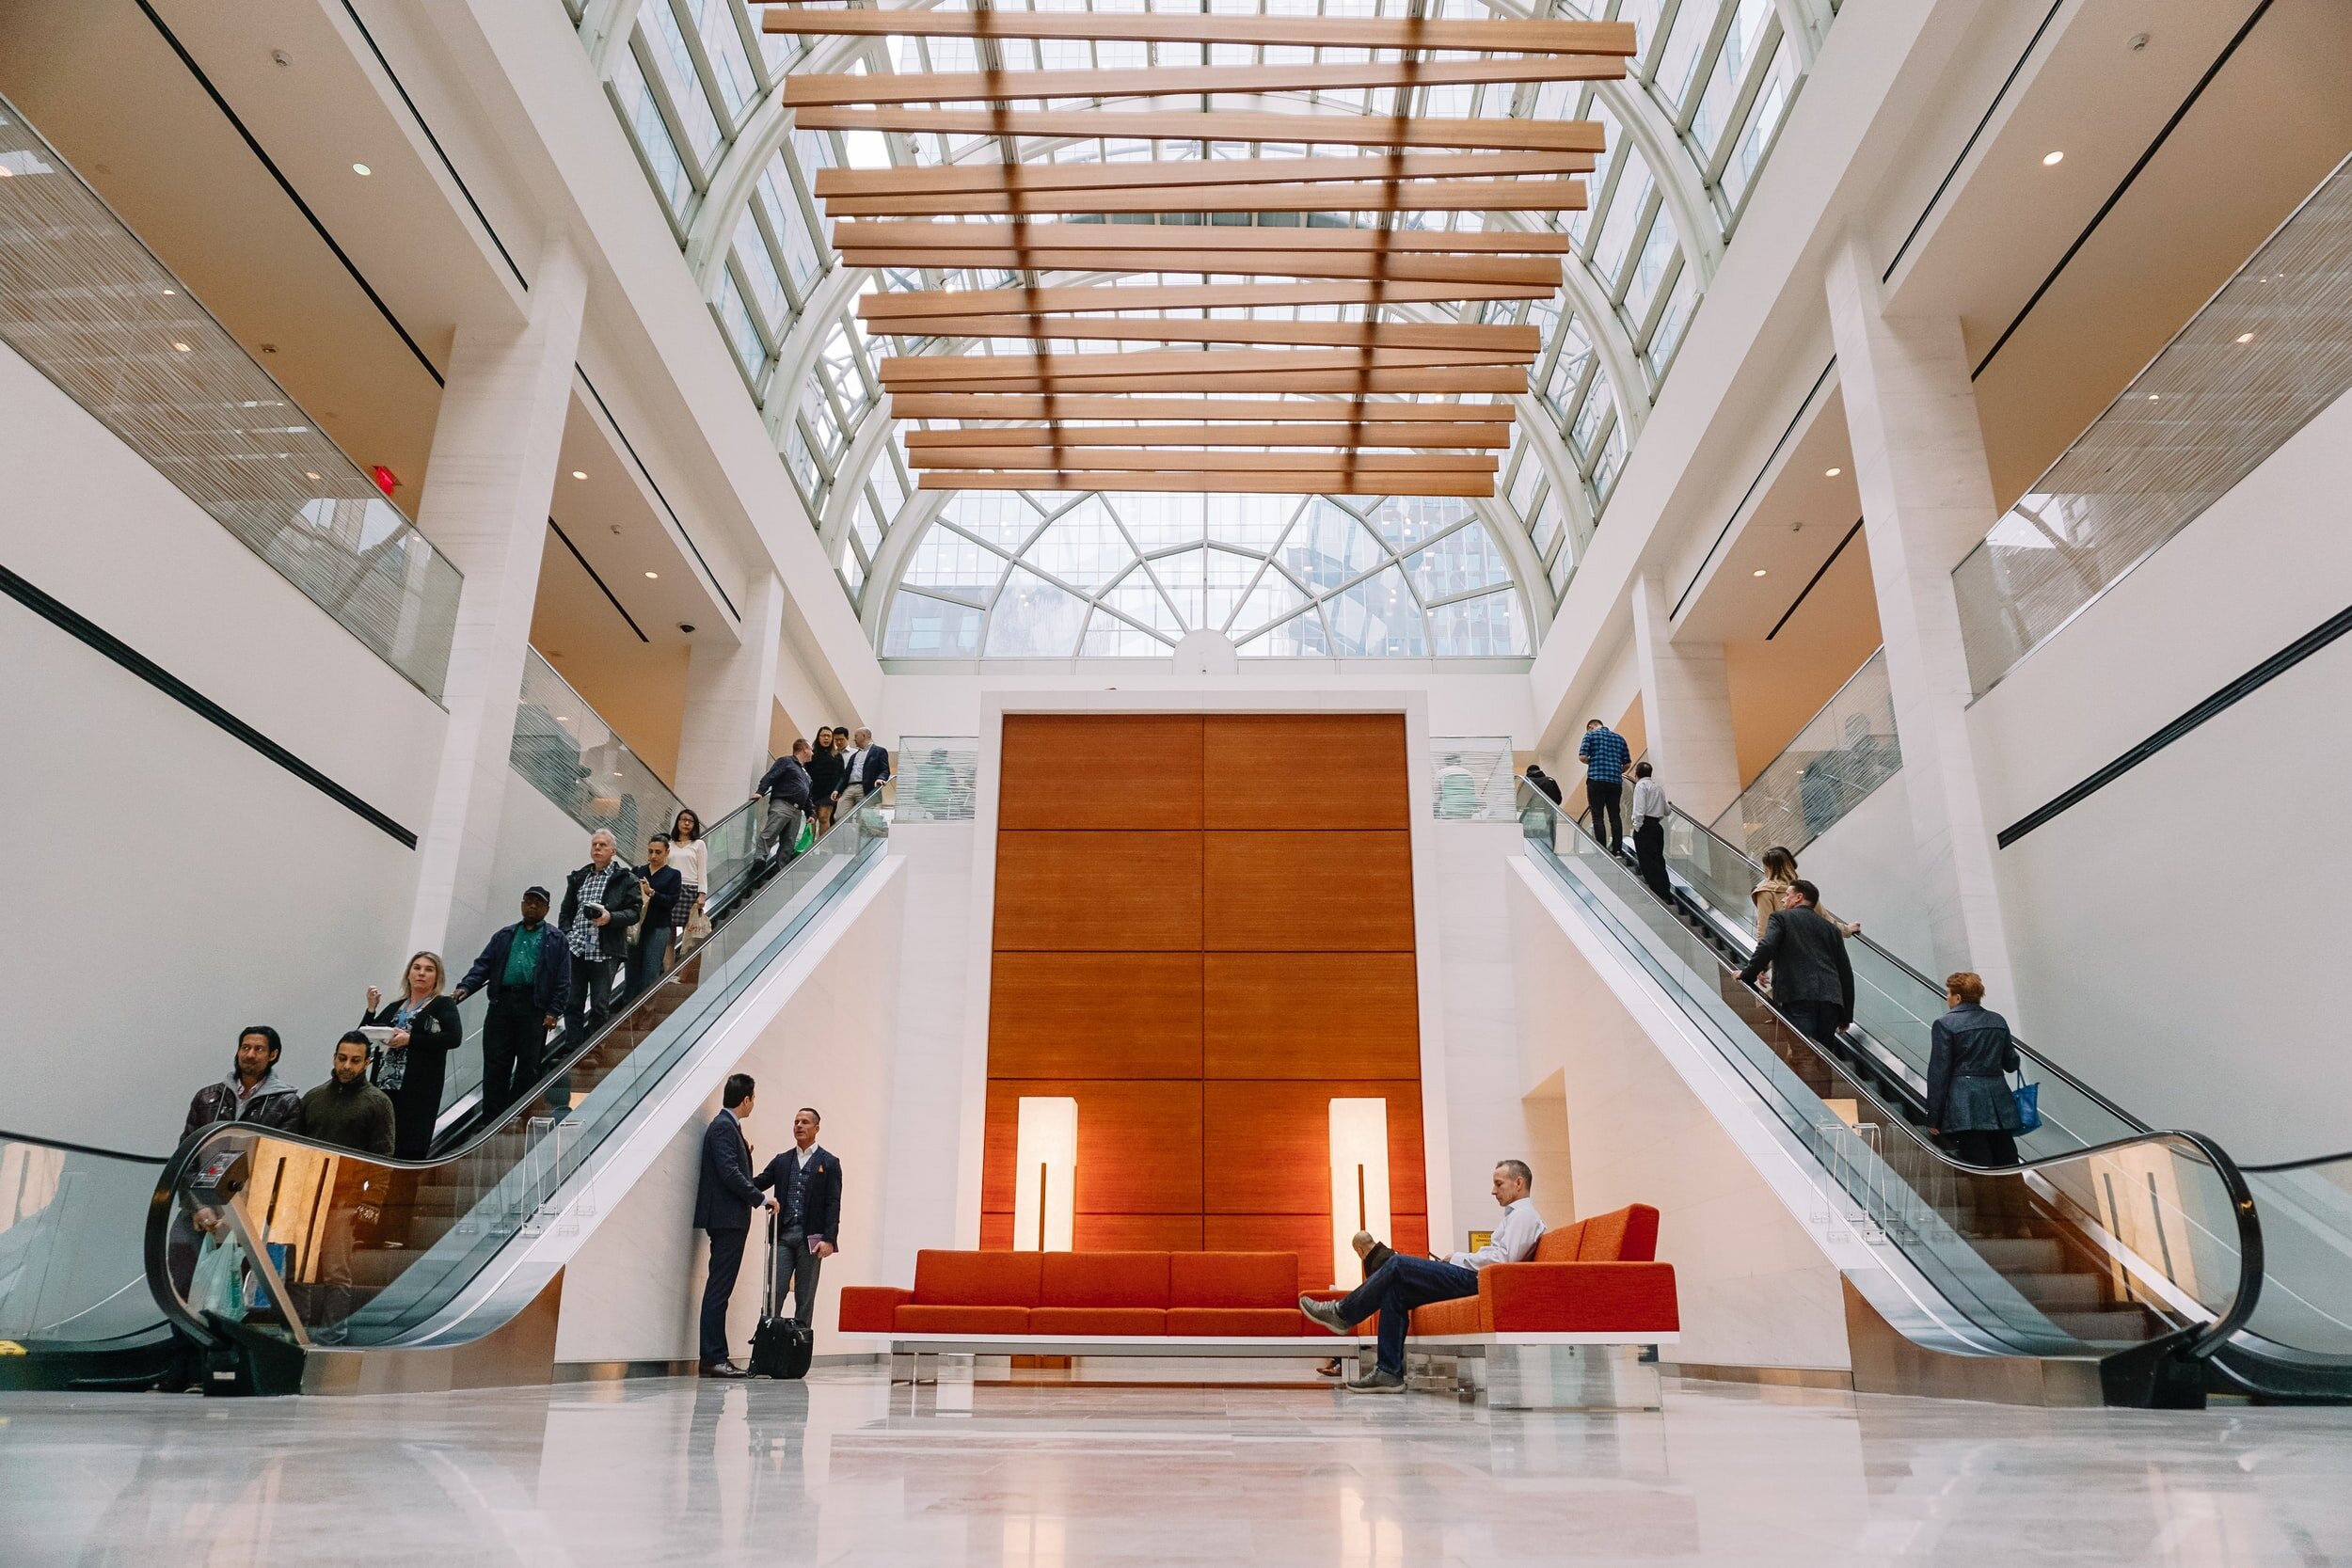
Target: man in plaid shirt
[{"x": 1603, "y": 753}]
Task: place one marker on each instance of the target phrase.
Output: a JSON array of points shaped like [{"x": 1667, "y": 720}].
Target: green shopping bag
[{"x": 809, "y": 835}]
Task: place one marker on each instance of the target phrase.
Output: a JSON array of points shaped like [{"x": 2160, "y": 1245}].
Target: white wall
[
  {"x": 2178, "y": 935},
  {"x": 178, "y": 884},
  {"x": 1868, "y": 871}
]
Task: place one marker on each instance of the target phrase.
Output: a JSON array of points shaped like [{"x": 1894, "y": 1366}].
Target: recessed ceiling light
[
  {"x": 172, "y": 291},
  {"x": 361, "y": 169},
  {"x": 2155, "y": 397},
  {"x": 2052, "y": 159},
  {"x": 2246, "y": 336},
  {"x": 308, "y": 475},
  {"x": 579, "y": 473},
  {"x": 181, "y": 347},
  {"x": 1832, "y": 473},
  {"x": 653, "y": 574},
  {"x": 1759, "y": 571}
]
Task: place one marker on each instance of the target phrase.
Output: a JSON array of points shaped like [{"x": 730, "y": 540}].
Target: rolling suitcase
[{"x": 780, "y": 1347}]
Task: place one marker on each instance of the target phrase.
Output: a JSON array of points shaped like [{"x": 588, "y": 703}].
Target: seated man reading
[{"x": 1400, "y": 1284}]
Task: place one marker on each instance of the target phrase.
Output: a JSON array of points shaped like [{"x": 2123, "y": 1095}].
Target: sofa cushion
[
  {"x": 1462, "y": 1315},
  {"x": 1627, "y": 1235},
  {"x": 1104, "y": 1279},
  {"x": 1559, "y": 1246},
  {"x": 871, "y": 1309},
  {"x": 976, "y": 1278},
  {"x": 1246, "y": 1323},
  {"x": 1233, "y": 1279},
  {"x": 915, "y": 1318},
  {"x": 1098, "y": 1320},
  {"x": 1579, "y": 1298}
]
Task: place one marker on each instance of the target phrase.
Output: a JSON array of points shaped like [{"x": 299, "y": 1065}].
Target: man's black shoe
[{"x": 724, "y": 1369}]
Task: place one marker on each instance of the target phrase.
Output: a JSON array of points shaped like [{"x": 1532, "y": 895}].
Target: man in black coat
[
  {"x": 724, "y": 1200},
  {"x": 806, "y": 1180},
  {"x": 868, "y": 769},
  {"x": 529, "y": 973},
  {"x": 786, "y": 787},
  {"x": 1812, "y": 977}
]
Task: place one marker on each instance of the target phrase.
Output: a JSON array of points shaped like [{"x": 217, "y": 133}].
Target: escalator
[
  {"x": 74, "y": 1307},
  {"x": 292, "y": 1265},
  {"x": 2115, "y": 1262},
  {"x": 2115, "y": 1237}
]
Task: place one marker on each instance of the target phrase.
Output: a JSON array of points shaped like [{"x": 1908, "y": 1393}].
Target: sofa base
[{"x": 1504, "y": 1374}]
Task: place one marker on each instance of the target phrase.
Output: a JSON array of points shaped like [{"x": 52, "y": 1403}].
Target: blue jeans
[
  {"x": 646, "y": 960},
  {"x": 1395, "y": 1288}
]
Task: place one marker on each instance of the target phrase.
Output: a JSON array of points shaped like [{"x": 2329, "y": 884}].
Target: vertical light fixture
[
  {"x": 1046, "y": 1184},
  {"x": 1359, "y": 1181}
]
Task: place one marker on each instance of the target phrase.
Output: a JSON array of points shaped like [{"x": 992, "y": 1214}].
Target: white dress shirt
[
  {"x": 1512, "y": 1241},
  {"x": 1649, "y": 799}
]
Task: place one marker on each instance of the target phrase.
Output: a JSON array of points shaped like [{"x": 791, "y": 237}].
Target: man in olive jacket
[{"x": 350, "y": 1112}]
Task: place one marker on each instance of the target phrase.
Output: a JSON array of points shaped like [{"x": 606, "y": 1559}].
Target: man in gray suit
[{"x": 1812, "y": 977}]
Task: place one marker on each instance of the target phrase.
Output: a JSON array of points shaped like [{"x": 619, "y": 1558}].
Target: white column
[
  {"x": 1927, "y": 500},
  {"x": 1686, "y": 709},
  {"x": 495, "y": 447},
  {"x": 730, "y": 692}
]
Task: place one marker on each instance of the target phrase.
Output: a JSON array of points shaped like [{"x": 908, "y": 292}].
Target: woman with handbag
[
  {"x": 1971, "y": 1107},
  {"x": 690, "y": 859},
  {"x": 414, "y": 1059}
]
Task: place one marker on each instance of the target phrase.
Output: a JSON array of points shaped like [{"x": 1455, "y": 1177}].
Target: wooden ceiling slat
[
  {"x": 1407, "y": 379},
  {"x": 1539, "y": 272},
  {"x": 1469, "y": 133},
  {"x": 1002, "y": 87},
  {"x": 921, "y": 443},
  {"x": 1147, "y": 460},
  {"x": 1038, "y": 238},
  {"x": 1524, "y": 342},
  {"x": 1321, "y": 32},
  {"x": 966, "y": 405},
  {"x": 916, "y": 371},
  {"x": 886, "y": 312},
  {"x": 1336, "y": 482},
  {"x": 1132, "y": 175},
  {"x": 1403, "y": 195}
]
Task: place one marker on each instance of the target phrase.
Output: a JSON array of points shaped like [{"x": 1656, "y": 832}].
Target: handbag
[
  {"x": 809, "y": 835},
  {"x": 2029, "y": 1105}
]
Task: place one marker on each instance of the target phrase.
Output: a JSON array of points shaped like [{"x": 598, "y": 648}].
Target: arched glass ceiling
[{"x": 696, "y": 83}]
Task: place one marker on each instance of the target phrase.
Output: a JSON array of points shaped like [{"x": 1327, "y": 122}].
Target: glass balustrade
[{"x": 74, "y": 1306}]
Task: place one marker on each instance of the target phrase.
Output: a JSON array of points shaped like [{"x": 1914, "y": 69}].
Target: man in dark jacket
[
  {"x": 252, "y": 1092},
  {"x": 786, "y": 784},
  {"x": 868, "y": 769},
  {"x": 529, "y": 973},
  {"x": 600, "y": 903},
  {"x": 725, "y": 1198},
  {"x": 350, "y": 1112},
  {"x": 806, "y": 1180},
  {"x": 1812, "y": 977}
]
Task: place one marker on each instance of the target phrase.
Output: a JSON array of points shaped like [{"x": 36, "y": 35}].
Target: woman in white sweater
[{"x": 690, "y": 859}]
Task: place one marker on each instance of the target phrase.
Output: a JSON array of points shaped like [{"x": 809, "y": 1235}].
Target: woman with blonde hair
[
  {"x": 1780, "y": 875},
  {"x": 419, "y": 1028}
]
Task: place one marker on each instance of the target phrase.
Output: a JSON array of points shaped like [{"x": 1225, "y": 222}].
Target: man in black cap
[{"x": 529, "y": 972}]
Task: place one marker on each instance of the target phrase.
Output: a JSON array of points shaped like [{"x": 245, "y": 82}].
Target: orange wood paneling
[
  {"x": 1306, "y": 892},
  {"x": 1310, "y": 1014},
  {"x": 997, "y": 1231},
  {"x": 1100, "y": 770},
  {"x": 1094, "y": 892},
  {"x": 1341, "y": 770},
  {"x": 1138, "y": 1233},
  {"x": 1095, "y": 1015},
  {"x": 1308, "y": 1235},
  {"x": 1139, "y": 1142},
  {"x": 1266, "y": 1146}
]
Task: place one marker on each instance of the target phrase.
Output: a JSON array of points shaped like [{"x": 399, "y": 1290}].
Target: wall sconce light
[
  {"x": 1359, "y": 1181},
  {"x": 1045, "y": 1187}
]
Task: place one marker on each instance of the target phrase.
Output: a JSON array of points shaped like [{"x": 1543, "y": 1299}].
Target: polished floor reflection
[{"x": 842, "y": 1470}]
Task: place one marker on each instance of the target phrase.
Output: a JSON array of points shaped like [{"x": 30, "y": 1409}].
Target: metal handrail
[
  {"x": 2200, "y": 1345},
  {"x": 175, "y": 1164},
  {"x": 7, "y": 1137}
]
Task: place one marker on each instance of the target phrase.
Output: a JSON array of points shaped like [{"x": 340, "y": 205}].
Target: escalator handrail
[
  {"x": 175, "y": 1164},
  {"x": 2198, "y": 1345},
  {"x": 2279, "y": 1167},
  {"x": 2040, "y": 1058},
  {"x": 73, "y": 1147}
]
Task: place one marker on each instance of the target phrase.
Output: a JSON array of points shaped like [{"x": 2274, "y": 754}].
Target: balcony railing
[
  {"x": 571, "y": 756},
  {"x": 1844, "y": 753}
]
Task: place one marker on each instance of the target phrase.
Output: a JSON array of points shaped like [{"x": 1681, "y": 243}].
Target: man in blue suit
[
  {"x": 806, "y": 1179},
  {"x": 724, "y": 1200}
]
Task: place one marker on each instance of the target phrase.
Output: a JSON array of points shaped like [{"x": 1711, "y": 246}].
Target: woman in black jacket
[
  {"x": 1971, "y": 1107},
  {"x": 828, "y": 771},
  {"x": 415, "y": 1059}
]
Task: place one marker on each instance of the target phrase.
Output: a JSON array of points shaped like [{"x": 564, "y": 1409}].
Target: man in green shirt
[{"x": 528, "y": 969}]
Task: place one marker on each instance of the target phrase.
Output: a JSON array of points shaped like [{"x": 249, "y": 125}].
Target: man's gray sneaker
[
  {"x": 1376, "y": 1383},
  {"x": 1326, "y": 1313}
]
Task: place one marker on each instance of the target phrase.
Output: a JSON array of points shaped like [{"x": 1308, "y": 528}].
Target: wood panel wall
[{"x": 1204, "y": 954}]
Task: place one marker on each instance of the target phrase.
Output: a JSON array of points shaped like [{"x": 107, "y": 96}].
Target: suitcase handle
[{"x": 773, "y": 1301}]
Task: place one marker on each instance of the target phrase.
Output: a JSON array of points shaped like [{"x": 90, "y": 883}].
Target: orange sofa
[{"x": 1598, "y": 1277}]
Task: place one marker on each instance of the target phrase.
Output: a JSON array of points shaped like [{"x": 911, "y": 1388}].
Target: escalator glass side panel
[
  {"x": 2303, "y": 1325},
  {"x": 72, "y": 1280},
  {"x": 333, "y": 1248},
  {"x": 2087, "y": 1251}
]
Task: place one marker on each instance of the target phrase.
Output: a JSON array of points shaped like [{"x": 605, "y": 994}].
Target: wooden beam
[
  {"x": 1318, "y": 32},
  {"x": 1121, "y": 175},
  {"x": 1145, "y": 460},
  {"x": 913, "y": 372},
  {"x": 959, "y": 406},
  {"x": 1038, "y": 238},
  {"x": 885, "y": 311},
  {"x": 1408, "y": 378},
  {"x": 1005, "y": 87},
  {"x": 1304, "y": 127},
  {"x": 1382, "y": 195},
  {"x": 1540, "y": 271},
  {"x": 1521, "y": 343},
  {"x": 1337, "y": 481},
  {"x": 920, "y": 444}
]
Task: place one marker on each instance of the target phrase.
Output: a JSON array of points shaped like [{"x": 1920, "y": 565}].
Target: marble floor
[{"x": 843, "y": 1469}]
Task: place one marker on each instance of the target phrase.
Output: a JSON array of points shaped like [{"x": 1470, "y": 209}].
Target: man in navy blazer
[
  {"x": 724, "y": 1200},
  {"x": 806, "y": 1180},
  {"x": 864, "y": 770}
]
